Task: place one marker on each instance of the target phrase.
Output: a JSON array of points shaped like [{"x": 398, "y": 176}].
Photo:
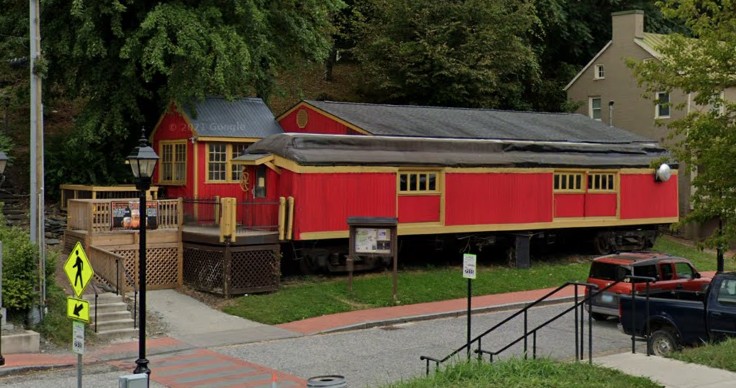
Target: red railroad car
[{"x": 492, "y": 190}]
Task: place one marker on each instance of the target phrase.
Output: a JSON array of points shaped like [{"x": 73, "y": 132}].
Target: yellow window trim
[
  {"x": 173, "y": 143},
  {"x": 418, "y": 174},
  {"x": 569, "y": 177},
  {"x": 229, "y": 164}
]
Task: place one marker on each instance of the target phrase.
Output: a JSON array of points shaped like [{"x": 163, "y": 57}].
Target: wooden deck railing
[
  {"x": 69, "y": 192},
  {"x": 111, "y": 267},
  {"x": 95, "y": 215}
]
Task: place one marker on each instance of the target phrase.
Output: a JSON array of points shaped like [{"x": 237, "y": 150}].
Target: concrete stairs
[{"x": 114, "y": 321}]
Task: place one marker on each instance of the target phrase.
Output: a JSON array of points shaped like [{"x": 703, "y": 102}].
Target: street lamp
[
  {"x": 142, "y": 161},
  {"x": 3, "y": 163}
]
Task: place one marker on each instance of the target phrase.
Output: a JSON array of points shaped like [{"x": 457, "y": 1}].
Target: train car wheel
[
  {"x": 305, "y": 266},
  {"x": 602, "y": 245}
]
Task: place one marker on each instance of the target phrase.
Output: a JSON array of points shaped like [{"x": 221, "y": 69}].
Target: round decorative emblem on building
[{"x": 302, "y": 118}]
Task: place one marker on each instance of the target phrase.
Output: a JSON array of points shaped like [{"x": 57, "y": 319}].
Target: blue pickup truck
[{"x": 680, "y": 317}]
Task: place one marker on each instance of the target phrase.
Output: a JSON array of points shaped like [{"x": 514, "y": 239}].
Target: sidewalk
[{"x": 195, "y": 327}]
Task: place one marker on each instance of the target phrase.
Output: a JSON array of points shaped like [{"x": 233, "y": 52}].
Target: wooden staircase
[{"x": 114, "y": 321}]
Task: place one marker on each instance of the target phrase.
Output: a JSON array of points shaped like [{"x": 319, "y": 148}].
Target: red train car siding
[
  {"x": 316, "y": 123},
  {"x": 569, "y": 205},
  {"x": 497, "y": 198},
  {"x": 600, "y": 205},
  {"x": 419, "y": 208},
  {"x": 642, "y": 197},
  {"x": 323, "y": 202}
]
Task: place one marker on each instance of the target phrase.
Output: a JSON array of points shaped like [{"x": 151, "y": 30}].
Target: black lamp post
[
  {"x": 3, "y": 163},
  {"x": 142, "y": 160}
]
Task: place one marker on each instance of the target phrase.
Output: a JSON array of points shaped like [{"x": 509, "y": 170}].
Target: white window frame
[
  {"x": 599, "y": 71},
  {"x": 658, "y": 108},
  {"x": 591, "y": 110}
]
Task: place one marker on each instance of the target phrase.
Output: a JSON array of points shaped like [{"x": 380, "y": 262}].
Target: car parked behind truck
[
  {"x": 669, "y": 272},
  {"x": 679, "y": 317}
]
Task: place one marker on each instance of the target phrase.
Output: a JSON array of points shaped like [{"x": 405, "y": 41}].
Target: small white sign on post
[
  {"x": 469, "y": 266},
  {"x": 78, "y": 337}
]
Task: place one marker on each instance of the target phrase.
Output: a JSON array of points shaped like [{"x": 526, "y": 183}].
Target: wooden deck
[{"x": 210, "y": 234}]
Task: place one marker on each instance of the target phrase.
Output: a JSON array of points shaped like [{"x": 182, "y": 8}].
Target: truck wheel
[
  {"x": 663, "y": 343},
  {"x": 599, "y": 316}
]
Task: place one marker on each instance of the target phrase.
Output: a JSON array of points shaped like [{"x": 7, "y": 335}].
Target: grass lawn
[
  {"x": 720, "y": 355},
  {"x": 315, "y": 296},
  {"x": 527, "y": 374}
]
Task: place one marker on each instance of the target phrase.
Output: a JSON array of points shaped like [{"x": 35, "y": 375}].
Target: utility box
[{"x": 138, "y": 380}]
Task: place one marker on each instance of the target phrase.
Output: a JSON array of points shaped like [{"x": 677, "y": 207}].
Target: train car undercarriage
[{"x": 330, "y": 256}]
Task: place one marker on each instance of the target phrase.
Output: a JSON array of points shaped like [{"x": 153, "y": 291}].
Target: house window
[
  {"x": 220, "y": 166},
  {"x": 662, "y": 109},
  {"x": 601, "y": 182},
  {"x": 173, "y": 162},
  {"x": 599, "y": 72},
  {"x": 568, "y": 181},
  {"x": 594, "y": 110},
  {"x": 217, "y": 162},
  {"x": 418, "y": 182}
]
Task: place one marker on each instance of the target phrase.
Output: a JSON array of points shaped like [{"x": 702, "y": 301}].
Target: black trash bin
[{"x": 327, "y": 381}]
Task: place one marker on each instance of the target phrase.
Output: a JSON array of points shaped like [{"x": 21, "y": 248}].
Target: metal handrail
[
  {"x": 97, "y": 295},
  {"x": 135, "y": 297},
  {"x": 527, "y": 333}
]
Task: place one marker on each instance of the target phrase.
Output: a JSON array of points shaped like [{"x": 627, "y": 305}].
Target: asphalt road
[{"x": 367, "y": 358}]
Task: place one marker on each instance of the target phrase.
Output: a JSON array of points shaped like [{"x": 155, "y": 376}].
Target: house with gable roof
[
  {"x": 197, "y": 146},
  {"x": 607, "y": 90}
]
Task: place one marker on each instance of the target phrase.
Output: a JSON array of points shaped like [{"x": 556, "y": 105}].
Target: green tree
[
  {"x": 125, "y": 60},
  {"x": 472, "y": 53},
  {"x": 705, "y": 139}
]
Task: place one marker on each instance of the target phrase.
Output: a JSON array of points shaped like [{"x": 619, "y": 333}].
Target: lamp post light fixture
[
  {"x": 3, "y": 163},
  {"x": 142, "y": 161}
]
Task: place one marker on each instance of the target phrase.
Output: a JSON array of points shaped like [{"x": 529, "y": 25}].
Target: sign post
[
  {"x": 373, "y": 237},
  {"x": 79, "y": 271},
  {"x": 469, "y": 262}
]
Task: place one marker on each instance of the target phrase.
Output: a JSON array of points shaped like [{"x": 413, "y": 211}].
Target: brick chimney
[{"x": 627, "y": 25}]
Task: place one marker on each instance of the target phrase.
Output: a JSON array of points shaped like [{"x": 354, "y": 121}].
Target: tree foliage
[
  {"x": 705, "y": 139},
  {"x": 470, "y": 53},
  {"x": 127, "y": 59}
]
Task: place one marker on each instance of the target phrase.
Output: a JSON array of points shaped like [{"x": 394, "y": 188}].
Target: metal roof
[
  {"x": 426, "y": 121},
  {"x": 346, "y": 150},
  {"x": 245, "y": 117}
]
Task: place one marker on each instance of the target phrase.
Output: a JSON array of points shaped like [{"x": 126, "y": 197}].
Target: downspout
[{"x": 610, "y": 113}]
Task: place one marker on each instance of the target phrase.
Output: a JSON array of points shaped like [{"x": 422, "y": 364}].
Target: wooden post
[
  {"x": 291, "y": 218},
  {"x": 282, "y": 217}
]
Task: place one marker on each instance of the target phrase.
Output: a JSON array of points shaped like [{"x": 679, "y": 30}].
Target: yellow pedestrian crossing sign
[
  {"x": 77, "y": 309},
  {"x": 78, "y": 269}
]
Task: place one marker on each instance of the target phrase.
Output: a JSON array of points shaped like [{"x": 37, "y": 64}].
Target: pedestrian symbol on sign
[{"x": 78, "y": 269}]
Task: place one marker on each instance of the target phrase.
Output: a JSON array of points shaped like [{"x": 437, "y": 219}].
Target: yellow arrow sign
[
  {"x": 78, "y": 269},
  {"x": 77, "y": 309}
]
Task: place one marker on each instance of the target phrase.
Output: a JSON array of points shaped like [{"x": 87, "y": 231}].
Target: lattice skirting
[
  {"x": 229, "y": 270},
  {"x": 162, "y": 266}
]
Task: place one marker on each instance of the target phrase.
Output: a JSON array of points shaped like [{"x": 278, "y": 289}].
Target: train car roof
[
  {"x": 333, "y": 150},
  {"x": 446, "y": 122}
]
